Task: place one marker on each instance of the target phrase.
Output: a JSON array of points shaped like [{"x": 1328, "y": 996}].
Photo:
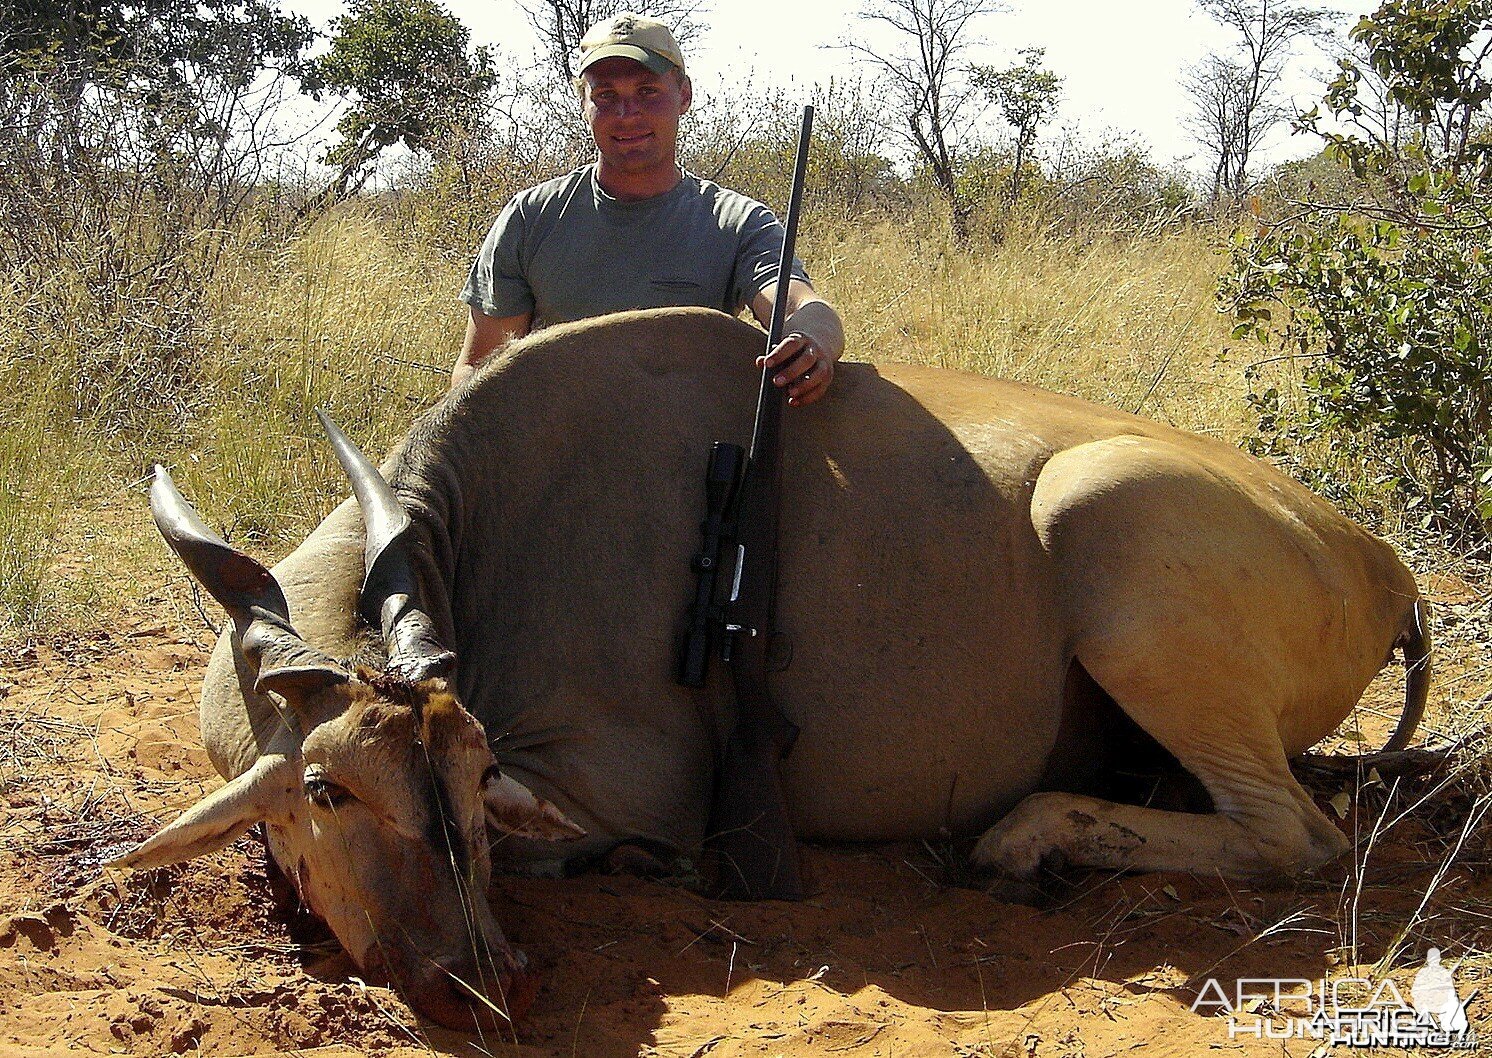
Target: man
[{"x": 633, "y": 230}]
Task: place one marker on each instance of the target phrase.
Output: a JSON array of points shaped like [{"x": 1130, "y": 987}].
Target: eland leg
[
  {"x": 1232, "y": 616},
  {"x": 1265, "y": 825}
]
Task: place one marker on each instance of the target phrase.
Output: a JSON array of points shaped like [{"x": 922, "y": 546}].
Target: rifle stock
[{"x": 749, "y": 826}]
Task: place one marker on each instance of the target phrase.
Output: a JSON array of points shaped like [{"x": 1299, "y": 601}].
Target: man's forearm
[
  {"x": 484, "y": 335},
  {"x": 817, "y": 321},
  {"x": 812, "y": 341}
]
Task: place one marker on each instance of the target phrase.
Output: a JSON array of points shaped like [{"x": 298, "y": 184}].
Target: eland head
[{"x": 377, "y": 789}]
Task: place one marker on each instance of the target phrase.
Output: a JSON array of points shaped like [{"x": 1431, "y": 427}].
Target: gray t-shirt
[{"x": 566, "y": 250}]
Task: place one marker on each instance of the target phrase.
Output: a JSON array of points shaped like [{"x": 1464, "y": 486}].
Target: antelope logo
[{"x": 1434, "y": 995}]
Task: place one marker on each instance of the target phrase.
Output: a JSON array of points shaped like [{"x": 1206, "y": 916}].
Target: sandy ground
[{"x": 897, "y": 954}]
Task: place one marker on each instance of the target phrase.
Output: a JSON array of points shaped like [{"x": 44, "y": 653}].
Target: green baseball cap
[{"x": 634, "y": 37}]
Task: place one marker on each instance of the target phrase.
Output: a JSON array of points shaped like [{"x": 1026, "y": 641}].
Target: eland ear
[
  {"x": 263, "y": 792},
  {"x": 513, "y": 809}
]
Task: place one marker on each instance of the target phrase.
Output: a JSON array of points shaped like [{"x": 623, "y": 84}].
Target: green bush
[
  {"x": 1391, "y": 323},
  {"x": 1384, "y": 303}
]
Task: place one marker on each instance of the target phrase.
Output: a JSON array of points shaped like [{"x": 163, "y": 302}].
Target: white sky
[{"x": 1122, "y": 60}]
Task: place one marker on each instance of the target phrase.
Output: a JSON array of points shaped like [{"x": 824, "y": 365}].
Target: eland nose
[{"x": 459, "y": 994}]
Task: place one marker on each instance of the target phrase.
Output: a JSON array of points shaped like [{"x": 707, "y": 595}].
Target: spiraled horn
[
  {"x": 391, "y": 599},
  {"x": 241, "y": 584},
  {"x": 281, "y": 660}
]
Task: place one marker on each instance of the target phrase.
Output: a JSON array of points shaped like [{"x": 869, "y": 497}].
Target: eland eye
[{"x": 324, "y": 793}]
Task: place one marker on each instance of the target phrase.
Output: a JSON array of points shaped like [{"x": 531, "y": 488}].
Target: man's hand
[
  {"x": 801, "y": 366},
  {"x": 804, "y": 359}
]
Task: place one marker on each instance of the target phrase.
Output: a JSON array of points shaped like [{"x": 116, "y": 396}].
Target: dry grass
[
  {"x": 354, "y": 317},
  {"x": 1123, "y": 321},
  {"x": 45, "y": 463},
  {"x": 343, "y": 318}
]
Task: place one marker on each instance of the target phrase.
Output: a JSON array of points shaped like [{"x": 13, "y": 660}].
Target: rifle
[
  {"x": 706, "y": 618},
  {"x": 749, "y": 827}
]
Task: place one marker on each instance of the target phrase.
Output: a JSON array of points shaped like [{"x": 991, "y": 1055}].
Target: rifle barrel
[{"x": 768, "y": 404}]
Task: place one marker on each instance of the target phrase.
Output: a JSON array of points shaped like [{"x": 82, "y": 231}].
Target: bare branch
[
  {"x": 560, "y": 24},
  {"x": 1235, "y": 104},
  {"x": 929, "y": 78}
]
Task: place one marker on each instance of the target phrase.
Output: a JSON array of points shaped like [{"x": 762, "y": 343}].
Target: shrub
[
  {"x": 1391, "y": 325},
  {"x": 1383, "y": 302}
]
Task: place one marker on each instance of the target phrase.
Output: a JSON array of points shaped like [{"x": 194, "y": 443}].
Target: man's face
[{"x": 633, "y": 113}]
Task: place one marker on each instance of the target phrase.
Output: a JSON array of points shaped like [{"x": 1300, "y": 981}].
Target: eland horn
[
  {"x": 280, "y": 659},
  {"x": 391, "y": 598}
]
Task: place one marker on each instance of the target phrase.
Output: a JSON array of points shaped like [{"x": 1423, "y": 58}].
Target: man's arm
[
  {"x": 812, "y": 342},
  {"x": 485, "y": 334}
]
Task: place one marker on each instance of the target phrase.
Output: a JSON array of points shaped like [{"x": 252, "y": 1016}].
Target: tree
[
  {"x": 1433, "y": 57},
  {"x": 1384, "y": 299},
  {"x": 408, "y": 67},
  {"x": 1027, "y": 95},
  {"x": 560, "y": 24},
  {"x": 181, "y": 66},
  {"x": 134, "y": 134},
  {"x": 1426, "y": 62},
  {"x": 110, "y": 39},
  {"x": 1235, "y": 95},
  {"x": 930, "y": 83},
  {"x": 1218, "y": 88}
]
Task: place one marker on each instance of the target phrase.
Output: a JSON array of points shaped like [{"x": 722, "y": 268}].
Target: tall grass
[
  {"x": 44, "y": 467},
  {"x": 343, "y": 318},
  {"x": 1128, "y": 322},
  {"x": 222, "y": 391}
]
